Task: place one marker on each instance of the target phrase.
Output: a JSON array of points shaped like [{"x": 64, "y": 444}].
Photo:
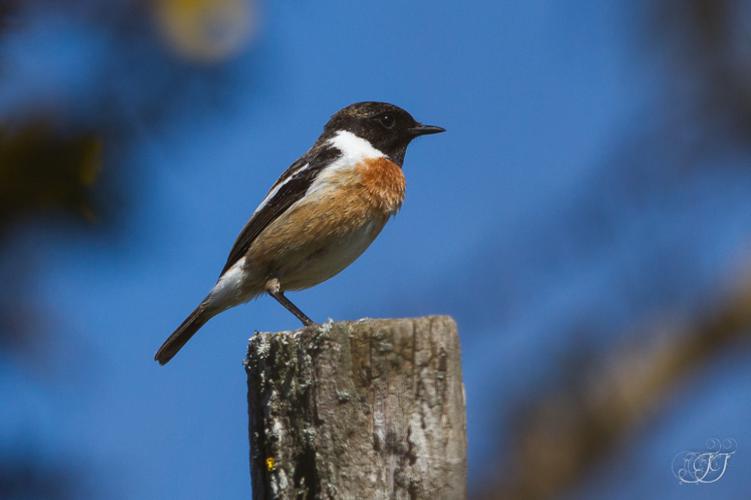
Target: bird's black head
[{"x": 387, "y": 127}]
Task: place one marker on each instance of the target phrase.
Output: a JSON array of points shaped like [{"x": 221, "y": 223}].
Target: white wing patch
[{"x": 276, "y": 189}]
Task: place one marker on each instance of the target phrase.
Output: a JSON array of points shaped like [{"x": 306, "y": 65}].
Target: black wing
[{"x": 294, "y": 182}]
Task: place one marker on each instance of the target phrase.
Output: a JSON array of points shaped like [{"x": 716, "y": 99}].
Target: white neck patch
[{"x": 354, "y": 149}]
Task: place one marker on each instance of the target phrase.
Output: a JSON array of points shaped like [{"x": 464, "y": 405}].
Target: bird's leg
[
  {"x": 273, "y": 288},
  {"x": 279, "y": 296}
]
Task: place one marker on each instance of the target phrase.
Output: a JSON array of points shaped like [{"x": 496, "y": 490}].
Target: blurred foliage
[
  {"x": 59, "y": 163},
  {"x": 206, "y": 30},
  {"x": 43, "y": 170},
  {"x": 23, "y": 478},
  {"x": 599, "y": 399},
  {"x": 708, "y": 42},
  {"x": 563, "y": 433},
  {"x": 61, "y": 154}
]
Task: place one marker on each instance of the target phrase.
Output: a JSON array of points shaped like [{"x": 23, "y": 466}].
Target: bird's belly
[
  {"x": 320, "y": 260},
  {"x": 312, "y": 243}
]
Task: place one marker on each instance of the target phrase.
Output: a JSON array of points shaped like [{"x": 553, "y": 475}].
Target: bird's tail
[{"x": 184, "y": 332}]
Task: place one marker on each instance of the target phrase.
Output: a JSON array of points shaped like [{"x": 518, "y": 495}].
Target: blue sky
[{"x": 536, "y": 97}]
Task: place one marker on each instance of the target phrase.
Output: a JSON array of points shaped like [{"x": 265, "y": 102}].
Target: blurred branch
[
  {"x": 584, "y": 420},
  {"x": 709, "y": 41},
  {"x": 574, "y": 427}
]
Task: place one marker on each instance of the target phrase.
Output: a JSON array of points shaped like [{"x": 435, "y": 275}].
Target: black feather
[{"x": 317, "y": 159}]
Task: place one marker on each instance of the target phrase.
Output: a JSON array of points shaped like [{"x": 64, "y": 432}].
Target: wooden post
[{"x": 369, "y": 409}]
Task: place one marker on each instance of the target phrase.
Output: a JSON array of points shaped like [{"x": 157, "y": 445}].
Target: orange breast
[
  {"x": 351, "y": 209},
  {"x": 384, "y": 183}
]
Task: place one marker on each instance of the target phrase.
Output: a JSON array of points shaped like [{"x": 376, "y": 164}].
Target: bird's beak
[{"x": 421, "y": 129}]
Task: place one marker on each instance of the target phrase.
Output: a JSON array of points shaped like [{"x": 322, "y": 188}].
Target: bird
[{"x": 318, "y": 217}]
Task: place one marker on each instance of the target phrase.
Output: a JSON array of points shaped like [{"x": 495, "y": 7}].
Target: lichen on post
[{"x": 360, "y": 409}]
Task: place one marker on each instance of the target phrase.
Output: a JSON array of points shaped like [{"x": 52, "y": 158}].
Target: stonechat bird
[{"x": 318, "y": 217}]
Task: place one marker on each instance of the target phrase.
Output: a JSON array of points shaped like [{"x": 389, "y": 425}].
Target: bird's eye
[{"x": 387, "y": 121}]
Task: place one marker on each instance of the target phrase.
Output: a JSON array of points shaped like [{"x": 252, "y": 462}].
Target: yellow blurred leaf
[{"x": 206, "y": 30}]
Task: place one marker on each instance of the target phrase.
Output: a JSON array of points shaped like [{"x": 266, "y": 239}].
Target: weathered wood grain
[{"x": 370, "y": 409}]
